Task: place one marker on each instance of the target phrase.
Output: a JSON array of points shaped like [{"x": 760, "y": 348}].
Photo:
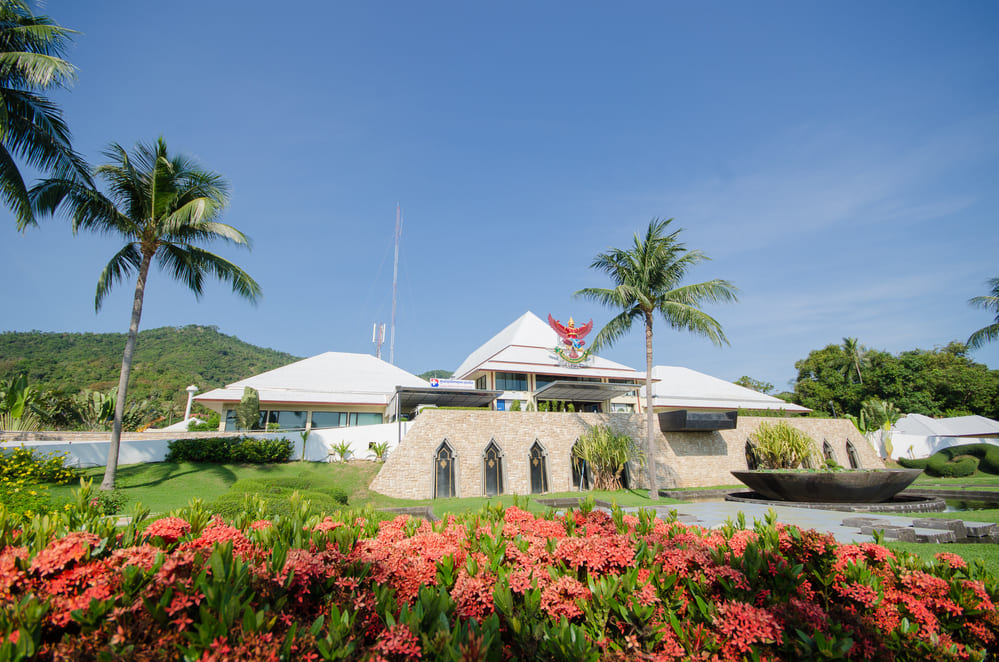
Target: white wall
[
  {"x": 321, "y": 442},
  {"x": 94, "y": 453},
  {"x": 84, "y": 454},
  {"x": 923, "y": 446}
]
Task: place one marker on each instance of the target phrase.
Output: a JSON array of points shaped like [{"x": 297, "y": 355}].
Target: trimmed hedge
[
  {"x": 272, "y": 498},
  {"x": 958, "y": 461},
  {"x": 229, "y": 450}
]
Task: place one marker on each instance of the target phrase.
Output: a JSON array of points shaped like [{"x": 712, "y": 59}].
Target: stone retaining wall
[{"x": 686, "y": 459}]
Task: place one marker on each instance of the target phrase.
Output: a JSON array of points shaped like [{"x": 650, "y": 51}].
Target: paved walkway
[{"x": 714, "y": 514}]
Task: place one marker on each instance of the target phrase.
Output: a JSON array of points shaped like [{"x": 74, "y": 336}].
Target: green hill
[{"x": 166, "y": 361}]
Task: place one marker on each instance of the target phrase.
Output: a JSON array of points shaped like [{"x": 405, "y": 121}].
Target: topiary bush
[
  {"x": 231, "y": 450},
  {"x": 957, "y": 461}
]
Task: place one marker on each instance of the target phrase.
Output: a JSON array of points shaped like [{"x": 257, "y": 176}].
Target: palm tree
[
  {"x": 988, "y": 302},
  {"x": 31, "y": 126},
  {"x": 855, "y": 356},
  {"x": 162, "y": 206},
  {"x": 648, "y": 280}
]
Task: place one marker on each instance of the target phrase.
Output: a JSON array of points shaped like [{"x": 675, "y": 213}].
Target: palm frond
[
  {"x": 120, "y": 267},
  {"x": 190, "y": 265},
  {"x": 616, "y": 329},
  {"x": 14, "y": 192}
]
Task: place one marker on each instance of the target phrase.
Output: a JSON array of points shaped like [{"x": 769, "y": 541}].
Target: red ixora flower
[
  {"x": 953, "y": 560},
  {"x": 170, "y": 529},
  {"x": 399, "y": 641},
  {"x": 560, "y": 597},
  {"x": 743, "y": 625},
  {"x": 64, "y": 551}
]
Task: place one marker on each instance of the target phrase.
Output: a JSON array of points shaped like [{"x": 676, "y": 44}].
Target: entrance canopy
[
  {"x": 584, "y": 391},
  {"x": 407, "y": 398}
]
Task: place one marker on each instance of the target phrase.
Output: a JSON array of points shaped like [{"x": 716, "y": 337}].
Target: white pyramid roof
[
  {"x": 956, "y": 426},
  {"x": 329, "y": 378},
  {"x": 527, "y": 345},
  {"x": 686, "y": 388}
]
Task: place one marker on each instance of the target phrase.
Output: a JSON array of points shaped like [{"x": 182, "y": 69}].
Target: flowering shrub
[
  {"x": 497, "y": 585},
  {"x": 24, "y": 473}
]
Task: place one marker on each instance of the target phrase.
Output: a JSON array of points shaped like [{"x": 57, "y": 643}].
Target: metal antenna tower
[
  {"x": 378, "y": 338},
  {"x": 395, "y": 279}
]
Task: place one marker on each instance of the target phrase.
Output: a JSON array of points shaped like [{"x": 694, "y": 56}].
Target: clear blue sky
[{"x": 838, "y": 161}]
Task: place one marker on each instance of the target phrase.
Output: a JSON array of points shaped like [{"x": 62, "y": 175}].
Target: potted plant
[{"x": 786, "y": 471}]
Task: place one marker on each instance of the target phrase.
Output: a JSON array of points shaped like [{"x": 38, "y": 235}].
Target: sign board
[{"x": 452, "y": 383}]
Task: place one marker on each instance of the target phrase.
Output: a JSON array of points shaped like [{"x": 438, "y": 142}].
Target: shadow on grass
[{"x": 164, "y": 471}]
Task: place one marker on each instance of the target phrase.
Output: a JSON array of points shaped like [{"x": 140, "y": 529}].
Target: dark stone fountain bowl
[{"x": 858, "y": 486}]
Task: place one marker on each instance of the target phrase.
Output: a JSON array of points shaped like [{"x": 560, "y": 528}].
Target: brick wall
[{"x": 685, "y": 459}]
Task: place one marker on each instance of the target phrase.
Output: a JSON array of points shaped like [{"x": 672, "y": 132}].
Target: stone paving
[{"x": 844, "y": 527}]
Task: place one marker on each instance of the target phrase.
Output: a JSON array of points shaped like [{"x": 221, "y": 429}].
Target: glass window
[
  {"x": 621, "y": 408},
  {"x": 444, "y": 483},
  {"x": 511, "y": 381},
  {"x": 539, "y": 469},
  {"x": 541, "y": 381},
  {"x": 482, "y": 383},
  {"x": 827, "y": 451},
  {"x": 751, "y": 461},
  {"x": 492, "y": 469},
  {"x": 329, "y": 419},
  {"x": 230, "y": 420},
  {"x": 290, "y": 420},
  {"x": 365, "y": 419},
  {"x": 851, "y": 453},
  {"x": 266, "y": 418}
]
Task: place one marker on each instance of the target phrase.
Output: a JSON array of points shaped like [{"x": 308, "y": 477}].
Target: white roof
[
  {"x": 330, "y": 378},
  {"x": 527, "y": 345},
  {"x": 683, "y": 387},
  {"x": 957, "y": 426}
]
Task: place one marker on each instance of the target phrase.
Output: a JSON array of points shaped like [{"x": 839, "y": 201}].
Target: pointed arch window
[
  {"x": 538, "y": 459},
  {"x": 582, "y": 479},
  {"x": 492, "y": 469},
  {"x": 752, "y": 463},
  {"x": 827, "y": 451},
  {"x": 851, "y": 453},
  {"x": 445, "y": 483}
]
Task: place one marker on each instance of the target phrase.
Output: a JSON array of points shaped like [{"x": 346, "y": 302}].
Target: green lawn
[
  {"x": 988, "y": 554},
  {"x": 165, "y": 486}
]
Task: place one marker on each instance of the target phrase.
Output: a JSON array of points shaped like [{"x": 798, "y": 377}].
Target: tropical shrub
[
  {"x": 782, "y": 446},
  {"x": 248, "y": 409},
  {"x": 957, "y": 461},
  {"x": 24, "y": 477},
  {"x": 380, "y": 449},
  {"x": 606, "y": 453},
  {"x": 502, "y": 584},
  {"x": 227, "y": 450},
  {"x": 341, "y": 451}
]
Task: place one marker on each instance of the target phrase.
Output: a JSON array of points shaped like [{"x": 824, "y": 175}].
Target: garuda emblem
[{"x": 572, "y": 340}]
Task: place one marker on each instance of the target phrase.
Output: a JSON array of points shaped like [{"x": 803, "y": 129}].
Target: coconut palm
[
  {"x": 163, "y": 207},
  {"x": 31, "y": 126},
  {"x": 648, "y": 281},
  {"x": 856, "y": 355},
  {"x": 988, "y": 302}
]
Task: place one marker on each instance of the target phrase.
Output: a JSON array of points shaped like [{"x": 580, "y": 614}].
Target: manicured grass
[
  {"x": 978, "y": 480},
  {"x": 166, "y": 486},
  {"x": 970, "y": 552}
]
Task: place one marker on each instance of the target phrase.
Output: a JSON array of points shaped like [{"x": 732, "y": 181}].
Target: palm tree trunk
[
  {"x": 111, "y": 471},
  {"x": 650, "y": 446}
]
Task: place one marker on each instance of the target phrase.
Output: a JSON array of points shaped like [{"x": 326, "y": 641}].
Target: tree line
[{"x": 839, "y": 379}]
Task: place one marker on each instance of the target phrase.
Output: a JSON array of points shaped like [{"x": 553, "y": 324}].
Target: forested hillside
[{"x": 166, "y": 361}]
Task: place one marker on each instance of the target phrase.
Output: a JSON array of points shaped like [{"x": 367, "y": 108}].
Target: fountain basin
[{"x": 863, "y": 486}]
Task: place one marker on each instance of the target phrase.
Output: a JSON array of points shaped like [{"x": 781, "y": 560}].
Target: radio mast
[
  {"x": 395, "y": 279},
  {"x": 378, "y": 338}
]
